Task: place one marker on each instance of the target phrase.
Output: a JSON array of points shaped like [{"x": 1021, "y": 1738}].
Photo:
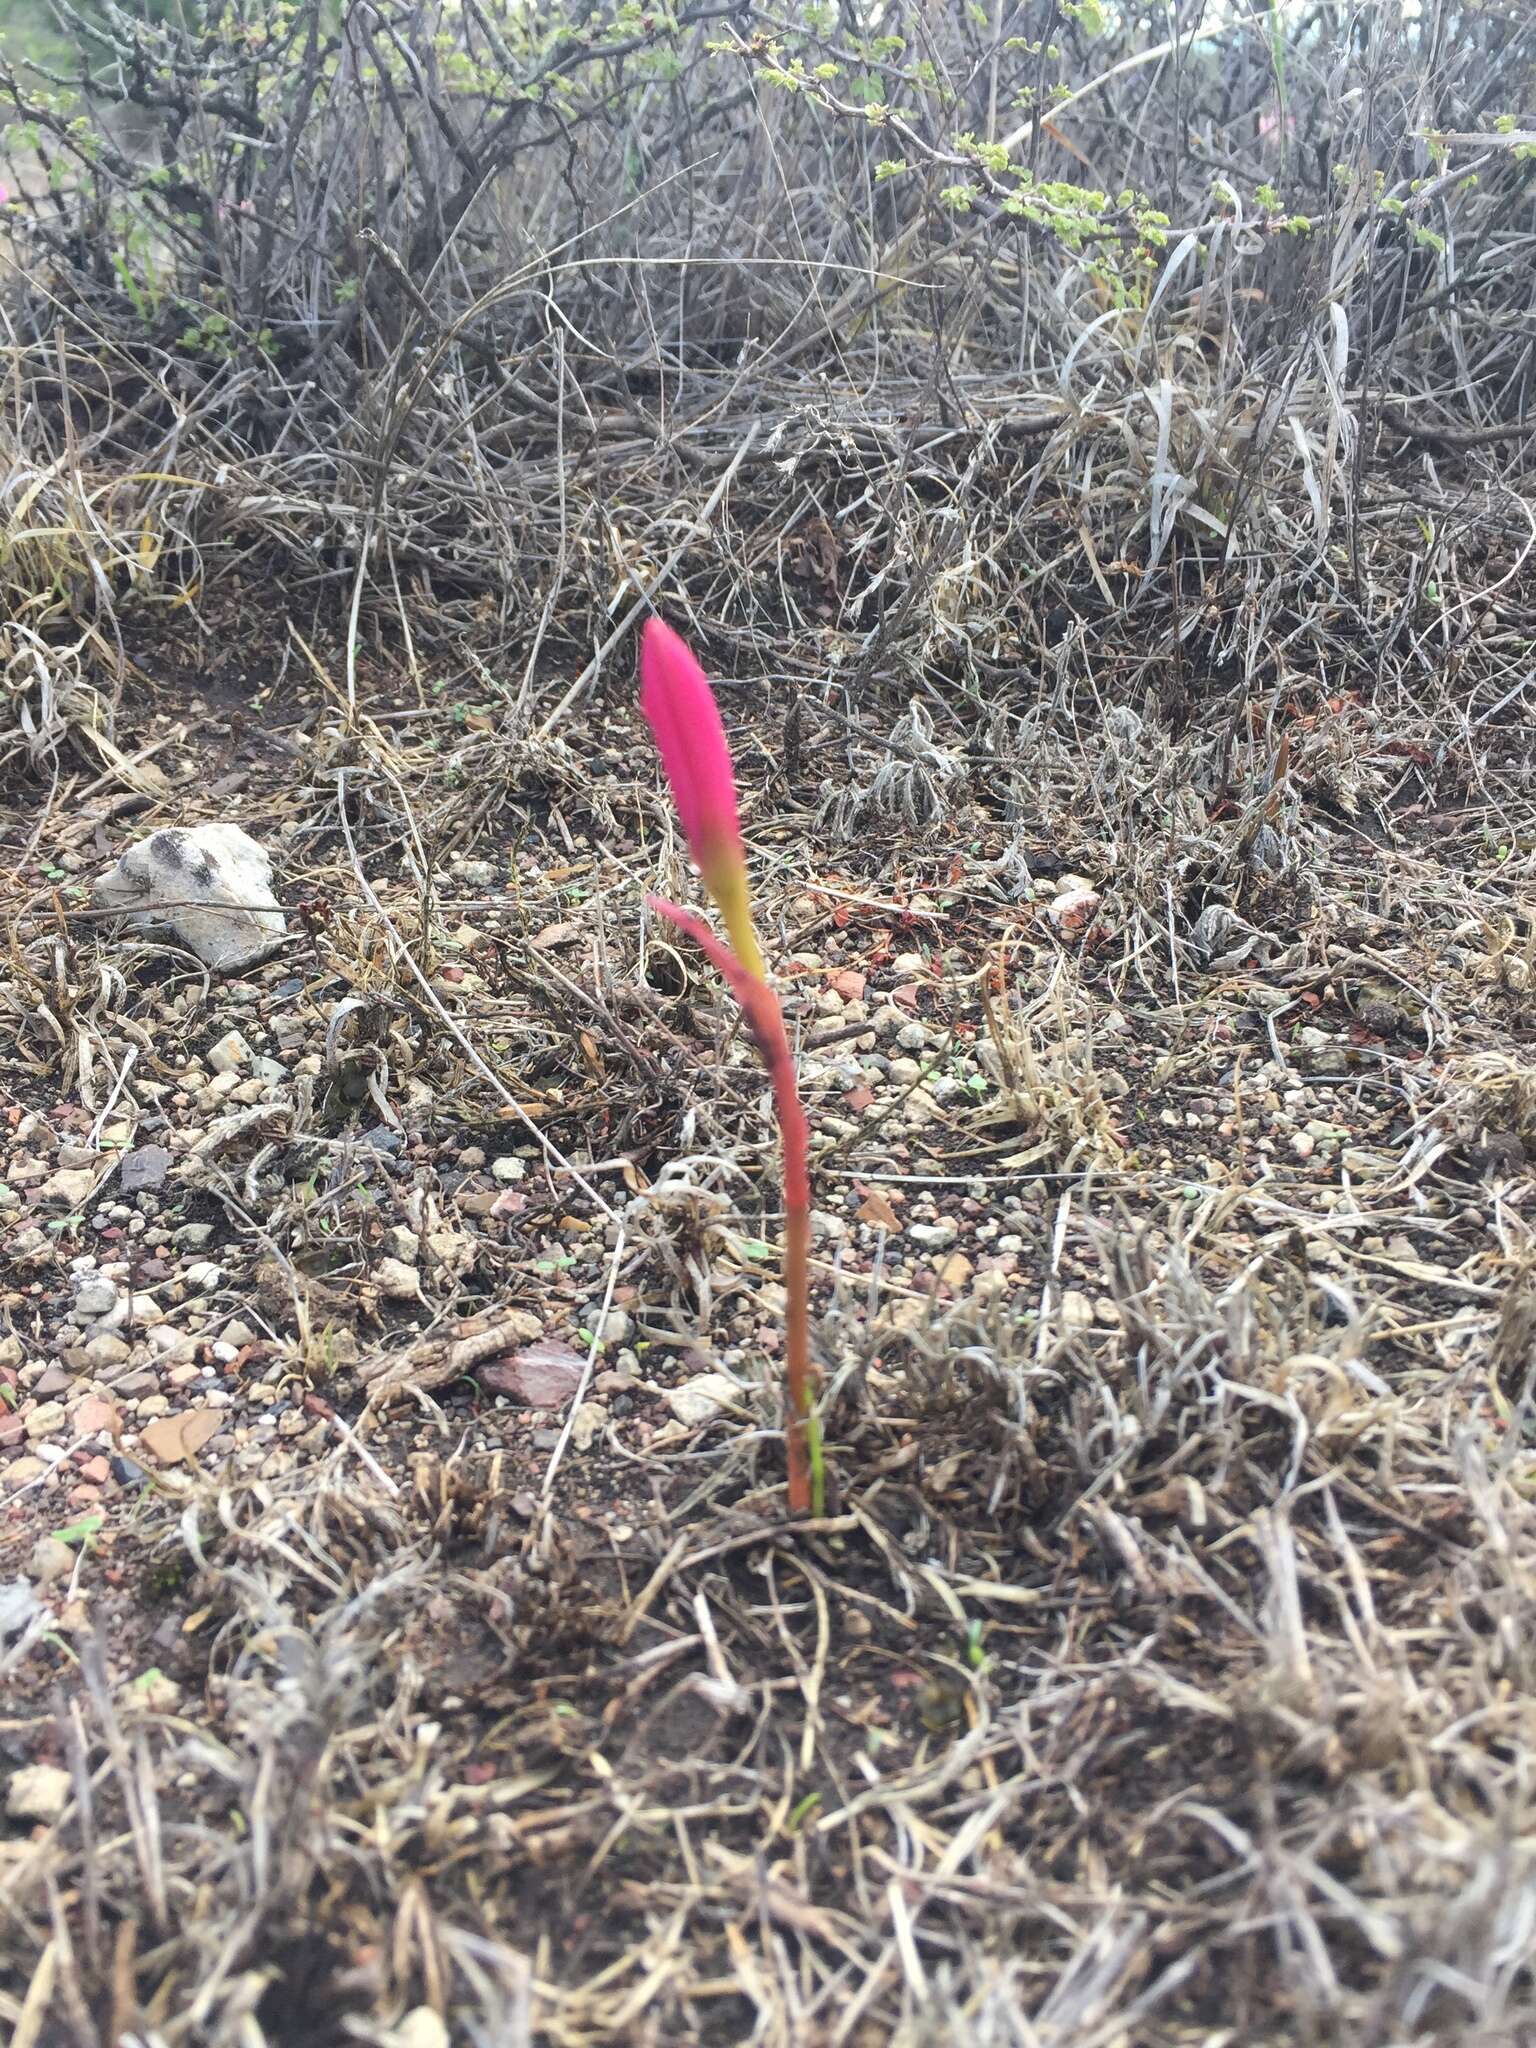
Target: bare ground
[{"x": 1161, "y": 1671}]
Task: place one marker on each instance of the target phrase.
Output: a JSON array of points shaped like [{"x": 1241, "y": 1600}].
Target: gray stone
[
  {"x": 105, "y": 1350},
  {"x": 144, "y": 1168},
  {"x": 95, "y": 1296},
  {"x": 211, "y": 883}
]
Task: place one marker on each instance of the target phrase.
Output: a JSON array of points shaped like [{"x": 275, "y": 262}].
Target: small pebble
[
  {"x": 701, "y": 1399},
  {"x": 50, "y": 1561},
  {"x": 229, "y": 1054},
  {"x": 588, "y": 1423},
  {"x": 95, "y": 1297},
  {"x": 397, "y": 1281},
  {"x": 37, "y": 1792},
  {"x": 934, "y": 1236}
]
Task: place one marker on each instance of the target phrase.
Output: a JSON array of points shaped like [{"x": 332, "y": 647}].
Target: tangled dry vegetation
[{"x": 1092, "y": 445}]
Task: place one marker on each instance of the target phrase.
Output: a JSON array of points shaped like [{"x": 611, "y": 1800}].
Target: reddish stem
[
  {"x": 795, "y": 1135},
  {"x": 765, "y": 1019}
]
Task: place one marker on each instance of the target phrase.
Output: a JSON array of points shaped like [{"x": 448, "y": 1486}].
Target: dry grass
[{"x": 1162, "y": 1672}]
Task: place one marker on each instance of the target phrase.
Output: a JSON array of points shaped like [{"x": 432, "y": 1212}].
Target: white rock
[
  {"x": 211, "y": 883},
  {"x": 701, "y": 1399},
  {"x": 936, "y": 1236},
  {"x": 455, "y": 1251},
  {"x": 613, "y": 1328},
  {"x": 588, "y": 1423},
  {"x": 421, "y": 2027},
  {"x": 37, "y": 1792},
  {"x": 920, "y": 1109},
  {"x": 203, "y": 1275},
  {"x": 71, "y": 1184},
  {"x": 397, "y": 1281},
  {"x": 229, "y": 1054},
  {"x": 508, "y": 1168},
  {"x": 1076, "y": 1310},
  {"x": 138, "y": 1308}
]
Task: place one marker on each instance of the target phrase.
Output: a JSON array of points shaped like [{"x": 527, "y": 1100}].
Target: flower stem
[
  {"x": 807, "y": 1480},
  {"x": 765, "y": 1019}
]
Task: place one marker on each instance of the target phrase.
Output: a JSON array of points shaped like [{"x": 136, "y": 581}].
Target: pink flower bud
[{"x": 681, "y": 711}]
